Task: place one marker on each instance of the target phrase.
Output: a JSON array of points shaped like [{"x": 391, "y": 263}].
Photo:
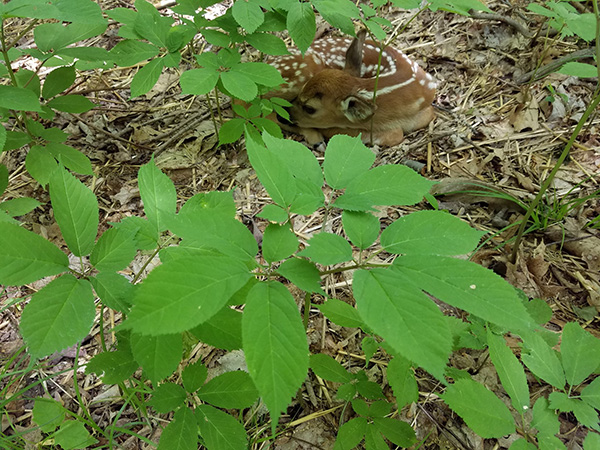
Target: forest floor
[{"x": 493, "y": 134}]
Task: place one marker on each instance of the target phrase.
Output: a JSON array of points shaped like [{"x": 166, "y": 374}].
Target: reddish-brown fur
[{"x": 331, "y": 90}]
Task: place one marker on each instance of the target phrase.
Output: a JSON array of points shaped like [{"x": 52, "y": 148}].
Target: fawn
[{"x": 331, "y": 91}]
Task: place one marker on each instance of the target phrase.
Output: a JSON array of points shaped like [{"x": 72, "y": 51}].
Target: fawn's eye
[{"x": 309, "y": 109}]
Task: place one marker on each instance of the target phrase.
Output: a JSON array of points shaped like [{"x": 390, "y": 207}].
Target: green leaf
[
  {"x": 369, "y": 347},
  {"x": 26, "y": 256},
  {"x": 194, "y": 376},
  {"x": 215, "y": 37},
  {"x": 592, "y": 441},
  {"x": 231, "y": 131},
  {"x": 114, "y": 290},
  {"x": 522, "y": 444},
  {"x": 399, "y": 315},
  {"x": 298, "y": 158},
  {"x": 543, "y": 361},
  {"x": 260, "y": 73},
  {"x": 267, "y": 43},
  {"x": 19, "y": 206},
  {"x": 59, "y": 315},
  {"x": 198, "y": 81},
  {"x": 181, "y": 433},
  {"x": 329, "y": 369},
  {"x": 81, "y": 11},
  {"x": 545, "y": 420},
  {"x": 58, "y": 80},
  {"x": 466, "y": 285},
  {"x": 402, "y": 380},
  {"x": 577, "y": 69},
  {"x": 48, "y": 414},
  {"x": 219, "y": 430},
  {"x": 231, "y": 390},
  {"x": 159, "y": 356},
  {"x": 279, "y": 242},
  {"x": 146, "y": 77},
  {"x": 248, "y": 14},
  {"x": 431, "y": 233},
  {"x": 384, "y": 185},
  {"x": 362, "y": 228},
  {"x": 73, "y": 435},
  {"x": 339, "y": 14},
  {"x": 3, "y": 173},
  {"x": 327, "y": 249},
  {"x": 580, "y": 353},
  {"x": 146, "y": 236},
  {"x": 75, "y": 104},
  {"x": 223, "y": 330},
  {"x": 539, "y": 310},
  {"x": 20, "y": 99},
  {"x": 158, "y": 194},
  {"x": 40, "y": 164},
  {"x": 510, "y": 371},
  {"x": 483, "y": 412},
  {"x": 591, "y": 393},
  {"x": 400, "y": 433},
  {"x": 167, "y": 397},
  {"x": 273, "y": 213},
  {"x": 29, "y": 80},
  {"x": 71, "y": 158},
  {"x": 131, "y": 51},
  {"x": 341, "y": 313},
  {"x": 76, "y": 211},
  {"x": 88, "y": 54},
  {"x": 114, "y": 250},
  {"x": 274, "y": 344},
  {"x": 351, "y": 433},
  {"x": 302, "y": 273},
  {"x": 239, "y": 85},
  {"x": 301, "y": 24},
  {"x": 345, "y": 159},
  {"x": 272, "y": 172},
  {"x": 114, "y": 367},
  {"x": 180, "y": 294},
  {"x": 15, "y": 139}
]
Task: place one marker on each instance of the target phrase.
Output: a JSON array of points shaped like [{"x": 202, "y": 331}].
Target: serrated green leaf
[
  {"x": 167, "y": 397},
  {"x": 402, "y": 380},
  {"x": 592, "y": 441},
  {"x": 158, "y": 194},
  {"x": 522, "y": 444},
  {"x": 274, "y": 344},
  {"x": 231, "y": 131},
  {"x": 279, "y": 242},
  {"x": 577, "y": 69},
  {"x": 223, "y": 330},
  {"x": 20, "y": 99},
  {"x": 327, "y": 249},
  {"x": 58, "y": 80},
  {"x": 26, "y": 256},
  {"x": 114, "y": 250},
  {"x": 273, "y": 213},
  {"x": 431, "y": 233},
  {"x": 345, "y": 159},
  {"x": 580, "y": 353},
  {"x": 73, "y": 435},
  {"x": 198, "y": 81},
  {"x": 220, "y": 430},
  {"x": 400, "y": 433},
  {"x": 468, "y": 286},
  {"x": 399, "y": 314},
  {"x": 114, "y": 367},
  {"x": 239, "y": 85},
  {"x": 329, "y": 369},
  {"x": 19, "y": 206},
  {"x": 146, "y": 77},
  {"x": 248, "y": 14},
  {"x": 180, "y": 294},
  {"x": 351, "y": 434},
  {"x": 81, "y": 11},
  {"x": 543, "y": 361},
  {"x": 483, "y": 412},
  {"x": 131, "y": 51},
  {"x": 301, "y": 24},
  {"x": 384, "y": 185},
  {"x": 260, "y": 73},
  {"x": 539, "y": 310},
  {"x": 40, "y": 164},
  {"x": 181, "y": 433},
  {"x": 194, "y": 376},
  {"x": 146, "y": 236},
  {"x": 159, "y": 356},
  {"x": 298, "y": 158},
  {"x": 338, "y": 14},
  {"x": 72, "y": 103},
  {"x": 71, "y": 158},
  {"x": 341, "y": 313},
  {"x": 231, "y": 390},
  {"x": 76, "y": 211},
  {"x": 362, "y": 228},
  {"x": 48, "y": 414},
  {"x": 591, "y": 393},
  {"x": 87, "y": 54},
  {"x": 369, "y": 347},
  {"x": 267, "y": 43},
  {"x": 510, "y": 371},
  {"x": 59, "y": 315},
  {"x": 3, "y": 170},
  {"x": 302, "y": 273},
  {"x": 544, "y": 419},
  {"x": 215, "y": 37}
]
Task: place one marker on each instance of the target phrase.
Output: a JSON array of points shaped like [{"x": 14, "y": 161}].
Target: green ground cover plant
[{"x": 215, "y": 285}]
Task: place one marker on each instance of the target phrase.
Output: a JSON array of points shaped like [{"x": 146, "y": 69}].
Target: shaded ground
[{"x": 489, "y": 130}]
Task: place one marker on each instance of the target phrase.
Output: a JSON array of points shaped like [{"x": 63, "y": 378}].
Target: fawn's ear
[
  {"x": 358, "y": 108},
  {"x": 354, "y": 54}
]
